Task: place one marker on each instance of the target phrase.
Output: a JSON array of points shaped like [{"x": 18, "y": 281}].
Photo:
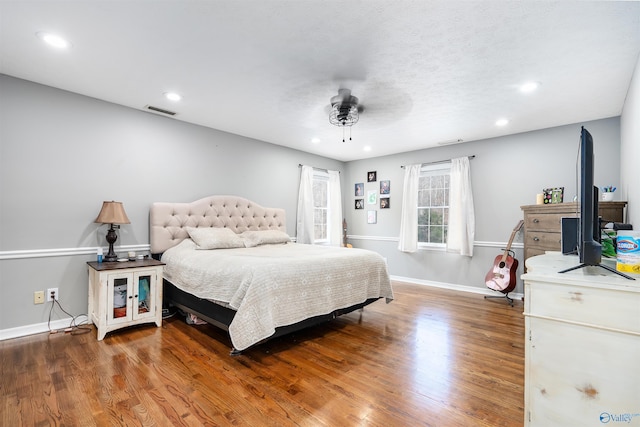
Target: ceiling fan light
[
  {"x": 344, "y": 109},
  {"x": 343, "y": 115}
]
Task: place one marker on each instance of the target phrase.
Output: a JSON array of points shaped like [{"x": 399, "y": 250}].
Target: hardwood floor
[{"x": 432, "y": 357}]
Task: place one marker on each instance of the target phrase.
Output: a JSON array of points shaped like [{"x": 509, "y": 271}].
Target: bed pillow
[
  {"x": 264, "y": 237},
  {"x": 215, "y": 238}
]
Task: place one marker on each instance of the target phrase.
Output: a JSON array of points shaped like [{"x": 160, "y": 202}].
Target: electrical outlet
[
  {"x": 38, "y": 297},
  {"x": 51, "y": 293}
]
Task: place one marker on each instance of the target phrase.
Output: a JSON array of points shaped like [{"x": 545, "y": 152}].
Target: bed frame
[{"x": 168, "y": 222}]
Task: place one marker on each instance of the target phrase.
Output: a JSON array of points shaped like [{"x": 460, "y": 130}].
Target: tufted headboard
[{"x": 167, "y": 221}]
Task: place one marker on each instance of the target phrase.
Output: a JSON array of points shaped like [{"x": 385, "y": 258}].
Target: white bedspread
[{"x": 277, "y": 285}]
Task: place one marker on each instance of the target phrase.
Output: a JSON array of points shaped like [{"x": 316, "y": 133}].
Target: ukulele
[{"x": 502, "y": 276}]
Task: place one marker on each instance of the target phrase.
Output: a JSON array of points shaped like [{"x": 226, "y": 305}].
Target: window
[
  {"x": 320, "y": 206},
  {"x": 433, "y": 204}
]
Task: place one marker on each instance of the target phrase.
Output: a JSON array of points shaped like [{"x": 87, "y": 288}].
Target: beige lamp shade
[{"x": 112, "y": 213}]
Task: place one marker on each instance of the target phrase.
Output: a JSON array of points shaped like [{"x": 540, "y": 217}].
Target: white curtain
[
  {"x": 335, "y": 209},
  {"x": 409, "y": 216},
  {"x": 304, "y": 228},
  {"x": 462, "y": 221}
]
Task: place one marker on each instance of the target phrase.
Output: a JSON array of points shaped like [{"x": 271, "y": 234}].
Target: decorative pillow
[
  {"x": 264, "y": 237},
  {"x": 215, "y": 238}
]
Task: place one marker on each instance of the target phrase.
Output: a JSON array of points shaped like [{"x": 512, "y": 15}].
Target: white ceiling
[{"x": 426, "y": 72}]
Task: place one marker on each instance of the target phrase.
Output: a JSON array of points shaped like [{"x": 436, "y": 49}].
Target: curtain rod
[
  {"x": 473, "y": 156},
  {"x": 318, "y": 169}
]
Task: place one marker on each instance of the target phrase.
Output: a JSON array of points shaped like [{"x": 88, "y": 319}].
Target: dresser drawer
[
  {"x": 545, "y": 221},
  {"x": 607, "y": 308},
  {"x": 543, "y": 240}
]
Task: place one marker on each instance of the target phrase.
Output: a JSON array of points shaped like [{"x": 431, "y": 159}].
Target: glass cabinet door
[
  {"x": 118, "y": 296},
  {"x": 144, "y": 303}
]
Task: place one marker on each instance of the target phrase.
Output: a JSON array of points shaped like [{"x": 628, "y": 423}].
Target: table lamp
[{"x": 112, "y": 213}]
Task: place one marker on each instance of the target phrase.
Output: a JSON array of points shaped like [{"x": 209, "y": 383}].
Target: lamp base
[{"x": 111, "y": 239}]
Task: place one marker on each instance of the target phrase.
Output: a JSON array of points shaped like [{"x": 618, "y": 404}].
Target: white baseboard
[
  {"x": 453, "y": 286},
  {"x": 38, "y": 328}
]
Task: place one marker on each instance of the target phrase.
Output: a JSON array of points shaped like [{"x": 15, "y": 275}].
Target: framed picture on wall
[
  {"x": 372, "y": 176},
  {"x": 372, "y": 217},
  {"x": 372, "y": 197},
  {"x": 385, "y": 187},
  {"x": 359, "y": 204},
  {"x": 359, "y": 189},
  {"x": 385, "y": 202}
]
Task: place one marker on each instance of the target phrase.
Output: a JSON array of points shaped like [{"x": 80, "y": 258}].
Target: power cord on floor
[{"x": 74, "y": 327}]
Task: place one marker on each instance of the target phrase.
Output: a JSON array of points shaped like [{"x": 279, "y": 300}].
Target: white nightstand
[{"x": 123, "y": 294}]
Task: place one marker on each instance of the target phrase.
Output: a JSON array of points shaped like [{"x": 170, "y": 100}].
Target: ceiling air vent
[{"x": 160, "y": 110}]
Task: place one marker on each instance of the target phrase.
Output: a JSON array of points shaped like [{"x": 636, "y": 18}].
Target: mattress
[{"x": 277, "y": 285}]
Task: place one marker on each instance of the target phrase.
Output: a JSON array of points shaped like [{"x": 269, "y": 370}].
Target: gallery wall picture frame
[
  {"x": 372, "y": 217},
  {"x": 385, "y": 202},
  {"x": 372, "y": 197},
  {"x": 359, "y": 189},
  {"x": 359, "y": 204},
  {"x": 372, "y": 176},
  {"x": 385, "y": 187}
]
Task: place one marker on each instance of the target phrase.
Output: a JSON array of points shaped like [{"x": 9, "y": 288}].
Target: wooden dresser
[
  {"x": 582, "y": 345},
  {"x": 542, "y": 223}
]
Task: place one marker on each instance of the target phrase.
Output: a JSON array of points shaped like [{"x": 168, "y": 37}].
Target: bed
[{"x": 230, "y": 262}]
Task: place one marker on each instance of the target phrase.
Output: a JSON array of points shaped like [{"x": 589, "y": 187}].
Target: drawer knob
[
  {"x": 536, "y": 220},
  {"x": 536, "y": 239}
]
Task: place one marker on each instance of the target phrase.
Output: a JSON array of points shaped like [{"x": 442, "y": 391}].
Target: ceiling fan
[{"x": 345, "y": 110}]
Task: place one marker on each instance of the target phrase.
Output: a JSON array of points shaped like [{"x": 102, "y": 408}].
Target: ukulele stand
[{"x": 510, "y": 300}]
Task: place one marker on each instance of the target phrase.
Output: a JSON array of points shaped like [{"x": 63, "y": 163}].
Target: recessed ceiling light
[
  {"x": 366, "y": 148},
  {"x": 529, "y": 87},
  {"x": 53, "y": 40},
  {"x": 502, "y": 122},
  {"x": 172, "y": 96},
  {"x": 316, "y": 140}
]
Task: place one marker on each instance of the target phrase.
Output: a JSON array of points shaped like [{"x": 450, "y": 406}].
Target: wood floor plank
[{"x": 432, "y": 357}]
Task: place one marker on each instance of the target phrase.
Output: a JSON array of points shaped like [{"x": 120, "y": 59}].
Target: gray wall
[
  {"x": 62, "y": 154},
  {"x": 507, "y": 173}
]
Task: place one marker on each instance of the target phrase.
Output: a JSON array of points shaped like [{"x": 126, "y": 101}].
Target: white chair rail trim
[
  {"x": 47, "y": 253},
  {"x": 477, "y": 243}
]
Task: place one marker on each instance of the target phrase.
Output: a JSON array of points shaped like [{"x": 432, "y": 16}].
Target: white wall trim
[
  {"x": 46, "y": 253},
  {"x": 378, "y": 238},
  {"x": 453, "y": 286},
  {"x": 38, "y": 328},
  {"x": 477, "y": 243}
]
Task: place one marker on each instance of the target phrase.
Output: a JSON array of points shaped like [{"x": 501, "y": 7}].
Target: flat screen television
[{"x": 589, "y": 248}]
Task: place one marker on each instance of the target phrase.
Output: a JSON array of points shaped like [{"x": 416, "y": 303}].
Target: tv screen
[{"x": 589, "y": 248}]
